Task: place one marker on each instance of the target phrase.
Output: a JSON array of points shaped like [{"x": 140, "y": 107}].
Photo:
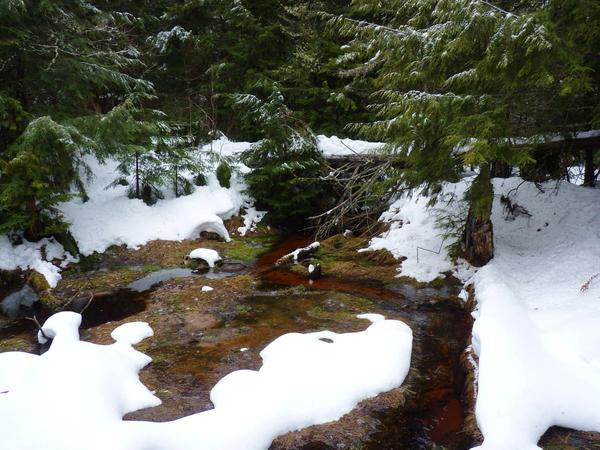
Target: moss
[
  {"x": 38, "y": 283},
  {"x": 15, "y": 344},
  {"x": 90, "y": 262},
  {"x": 339, "y": 256},
  {"x": 247, "y": 249},
  {"x": 149, "y": 268}
]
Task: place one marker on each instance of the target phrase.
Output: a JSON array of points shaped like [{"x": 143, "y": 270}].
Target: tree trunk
[
  {"x": 137, "y": 175},
  {"x": 589, "y": 176},
  {"x": 176, "y": 193},
  {"x": 33, "y": 232},
  {"x": 478, "y": 237},
  {"x": 501, "y": 170},
  {"x": 20, "y": 86}
]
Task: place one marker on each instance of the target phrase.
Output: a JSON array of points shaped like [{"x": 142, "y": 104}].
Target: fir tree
[
  {"x": 41, "y": 168},
  {"x": 286, "y": 162},
  {"x": 462, "y": 82}
]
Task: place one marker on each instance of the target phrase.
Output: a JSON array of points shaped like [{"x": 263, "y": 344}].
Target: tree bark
[
  {"x": 33, "y": 232},
  {"x": 137, "y": 176},
  {"x": 478, "y": 237},
  {"x": 589, "y": 175}
]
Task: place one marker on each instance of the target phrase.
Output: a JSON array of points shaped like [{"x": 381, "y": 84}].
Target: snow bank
[
  {"x": 74, "y": 395},
  {"x": 414, "y": 233},
  {"x": 536, "y": 333},
  {"x": 29, "y": 255},
  {"x": 109, "y": 217}
]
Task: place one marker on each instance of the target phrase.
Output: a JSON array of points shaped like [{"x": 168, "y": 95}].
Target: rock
[{"x": 314, "y": 271}]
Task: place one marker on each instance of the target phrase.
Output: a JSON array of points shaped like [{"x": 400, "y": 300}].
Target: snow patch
[
  {"x": 334, "y": 146},
  {"x": 304, "y": 380},
  {"x": 29, "y": 256},
  {"x": 415, "y": 235}
]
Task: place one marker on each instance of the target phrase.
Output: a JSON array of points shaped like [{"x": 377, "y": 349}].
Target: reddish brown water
[
  {"x": 186, "y": 366},
  {"x": 433, "y": 415}
]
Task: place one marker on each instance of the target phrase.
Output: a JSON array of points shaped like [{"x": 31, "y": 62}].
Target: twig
[
  {"x": 431, "y": 251},
  {"x": 41, "y": 330},
  {"x": 87, "y": 304}
]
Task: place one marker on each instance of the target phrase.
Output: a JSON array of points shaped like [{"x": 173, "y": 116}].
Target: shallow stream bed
[{"x": 202, "y": 336}]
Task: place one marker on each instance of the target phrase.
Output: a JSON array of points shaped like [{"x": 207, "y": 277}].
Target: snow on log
[{"x": 296, "y": 255}]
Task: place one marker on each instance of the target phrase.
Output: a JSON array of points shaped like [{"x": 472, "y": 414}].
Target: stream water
[{"x": 189, "y": 363}]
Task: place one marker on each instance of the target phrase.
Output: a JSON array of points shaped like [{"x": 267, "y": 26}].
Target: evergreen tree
[
  {"x": 42, "y": 165},
  {"x": 66, "y": 63},
  {"x": 286, "y": 162},
  {"x": 464, "y": 82}
]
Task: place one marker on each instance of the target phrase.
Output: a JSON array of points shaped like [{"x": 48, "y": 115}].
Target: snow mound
[
  {"x": 207, "y": 254},
  {"x": 334, "y": 146},
  {"x": 109, "y": 217},
  {"x": 28, "y": 255},
  {"x": 536, "y": 332},
  {"x": 305, "y": 379}
]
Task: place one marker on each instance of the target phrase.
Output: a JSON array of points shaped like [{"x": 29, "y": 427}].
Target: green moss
[
  {"x": 247, "y": 249},
  {"x": 90, "y": 262},
  {"x": 38, "y": 283}
]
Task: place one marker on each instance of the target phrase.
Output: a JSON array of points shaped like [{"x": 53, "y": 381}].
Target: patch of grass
[{"x": 247, "y": 249}]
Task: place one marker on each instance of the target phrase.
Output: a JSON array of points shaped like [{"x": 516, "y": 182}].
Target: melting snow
[{"x": 75, "y": 395}]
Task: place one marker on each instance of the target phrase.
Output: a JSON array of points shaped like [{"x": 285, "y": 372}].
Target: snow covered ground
[
  {"x": 109, "y": 217},
  {"x": 536, "y": 331},
  {"x": 75, "y": 395}
]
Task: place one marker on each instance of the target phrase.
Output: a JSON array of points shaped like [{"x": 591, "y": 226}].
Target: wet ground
[{"x": 202, "y": 336}]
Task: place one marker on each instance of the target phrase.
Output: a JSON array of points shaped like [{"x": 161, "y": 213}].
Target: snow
[
  {"x": 75, "y": 395},
  {"x": 225, "y": 148},
  {"x": 537, "y": 334},
  {"x": 334, "y": 146},
  {"x": 109, "y": 217},
  {"x": 207, "y": 254},
  {"x": 28, "y": 255},
  {"x": 207, "y": 289},
  {"x": 536, "y": 331},
  {"x": 296, "y": 253},
  {"x": 414, "y": 232},
  {"x": 251, "y": 218}
]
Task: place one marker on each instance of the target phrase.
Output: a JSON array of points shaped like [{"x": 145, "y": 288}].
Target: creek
[{"x": 197, "y": 343}]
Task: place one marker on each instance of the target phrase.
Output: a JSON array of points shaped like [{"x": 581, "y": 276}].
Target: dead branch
[{"x": 40, "y": 329}]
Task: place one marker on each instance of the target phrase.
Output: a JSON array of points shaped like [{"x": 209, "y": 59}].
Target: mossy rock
[{"x": 40, "y": 285}]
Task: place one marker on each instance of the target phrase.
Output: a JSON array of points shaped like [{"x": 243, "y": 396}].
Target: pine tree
[
  {"x": 462, "y": 82},
  {"x": 286, "y": 162},
  {"x": 64, "y": 66}
]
